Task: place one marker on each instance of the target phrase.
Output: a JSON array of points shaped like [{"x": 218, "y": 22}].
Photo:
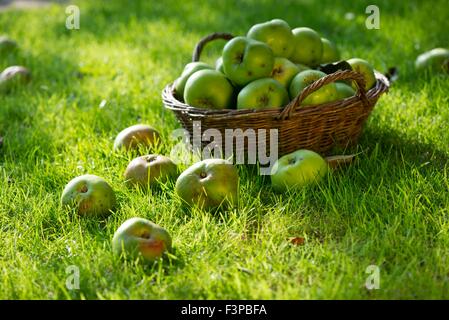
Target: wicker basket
[{"x": 319, "y": 128}]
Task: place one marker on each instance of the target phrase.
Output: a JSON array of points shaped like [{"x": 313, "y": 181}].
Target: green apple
[
  {"x": 138, "y": 237},
  {"x": 297, "y": 170},
  {"x": 208, "y": 89},
  {"x": 284, "y": 71},
  {"x": 330, "y": 52},
  {"x": 308, "y": 47},
  {"x": 209, "y": 184},
  {"x": 277, "y": 34},
  {"x": 302, "y": 67},
  {"x": 245, "y": 60},
  {"x": 303, "y": 79},
  {"x": 189, "y": 69},
  {"x": 219, "y": 65},
  {"x": 7, "y": 45},
  {"x": 138, "y": 135},
  {"x": 149, "y": 170},
  {"x": 436, "y": 59},
  {"x": 14, "y": 76},
  {"x": 366, "y": 69},
  {"x": 344, "y": 91},
  {"x": 262, "y": 94},
  {"x": 89, "y": 195}
]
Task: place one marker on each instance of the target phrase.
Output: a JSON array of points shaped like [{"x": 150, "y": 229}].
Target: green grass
[{"x": 389, "y": 209}]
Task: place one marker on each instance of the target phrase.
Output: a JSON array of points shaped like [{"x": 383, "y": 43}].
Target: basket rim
[{"x": 171, "y": 103}]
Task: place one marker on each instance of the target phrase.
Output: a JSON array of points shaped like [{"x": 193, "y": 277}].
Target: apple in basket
[
  {"x": 436, "y": 59},
  {"x": 322, "y": 95},
  {"x": 297, "y": 170},
  {"x": 366, "y": 69},
  {"x": 245, "y": 60},
  {"x": 330, "y": 51},
  {"x": 344, "y": 91},
  {"x": 284, "y": 70},
  {"x": 262, "y": 94},
  {"x": 308, "y": 48},
  {"x": 277, "y": 34},
  {"x": 189, "y": 69},
  {"x": 138, "y": 237},
  {"x": 208, "y": 89},
  {"x": 209, "y": 184}
]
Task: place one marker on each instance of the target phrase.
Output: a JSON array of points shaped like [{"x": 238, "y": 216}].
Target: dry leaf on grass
[
  {"x": 337, "y": 161},
  {"x": 297, "y": 241}
]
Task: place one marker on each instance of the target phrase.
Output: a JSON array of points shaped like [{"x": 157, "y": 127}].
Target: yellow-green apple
[
  {"x": 141, "y": 238},
  {"x": 330, "y": 51},
  {"x": 436, "y": 59},
  {"x": 189, "y": 69},
  {"x": 208, "y": 89},
  {"x": 7, "y": 45},
  {"x": 150, "y": 169},
  {"x": 308, "y": 47},
  {"x": 298, "y": 169},
  {"x": 284, "y": 70},
  {"x": 137, "y": 135},
  {"x": 245, "y": 60},
  {"x": 303, "y": 79},
  {"x": 14, "y": 76},
  {"x": 262, "y": 94},
  {"x": 344, "y": 91},
  {"x": 89, "y": 195},
  {"x": 209, "y": 184},
  {"x": 277, "y": 34},
  {"x": 302, "y": 67},
  {"x": 366, "y": 69}
]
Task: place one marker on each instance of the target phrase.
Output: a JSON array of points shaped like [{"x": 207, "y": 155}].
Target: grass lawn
[{"x": 390, "y": 209}]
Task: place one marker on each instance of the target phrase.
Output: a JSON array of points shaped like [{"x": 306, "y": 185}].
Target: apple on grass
[
  {"x": 14, "y": 76},
  {"x": 284, "y": 71},
  {"x": 366, "y": 69},
  {"x": 209, "y": 184},
  {"x": 436, "y": 60},
  {"x": 149, "y": 170},
  {"x": 297, "y": 170},
  {"x": 308, "y": 47},
  {"x": 303, "y": 79},
  {"x": 138, "y": 237},
  {"x": 330, "y": 52},
  {"x": 89, "y": 195},
  {"x": 262, "y": 94},
  {"x": 208, "y": 89},
  {"x": 137, "y": 135},
  {"x": 245, "y": 60},
  {"x": 189, "y": 69},
  {"x": 277, "y": 34},
  {"x": 7, "y": 45}
]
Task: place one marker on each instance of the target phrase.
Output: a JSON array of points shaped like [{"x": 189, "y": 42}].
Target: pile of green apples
[
  {"x": 267, "y": 68},
  {"x": 209, "y": 185}
]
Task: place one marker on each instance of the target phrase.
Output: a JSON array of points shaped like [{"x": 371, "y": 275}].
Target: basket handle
[
  {"x": 339, "y": 75},
  {"x": 202, "y": 43}
]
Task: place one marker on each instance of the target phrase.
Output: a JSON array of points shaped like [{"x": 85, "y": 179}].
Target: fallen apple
[
  {"x": 277, "y": 34},
  {"x": 189, "y": 69},
  {"x": 138, "y": 237},
  {"x": 297, "y": 170},
  {"x": 149, "y": 170},
  {"x": 13, "y": 77},
  {"x": 209, "y": 184},
  {"x": 7, "y": 45},
  {"x": 330, "y": 52},
  {"x": 436, "y": 59},
  {"x": 262, "y": 94},
  {"x": 137, "y": 135},
  {"x": 308, "y": 47},
  {"x": 366, "y": 69},
  {"x": 284, "y": 71},
  {"x": 245, "y": 60},
  {"x": 89, "y": 195},
  {"x": 303, "y": 79},
  {"x": 208, "y": 89}
]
